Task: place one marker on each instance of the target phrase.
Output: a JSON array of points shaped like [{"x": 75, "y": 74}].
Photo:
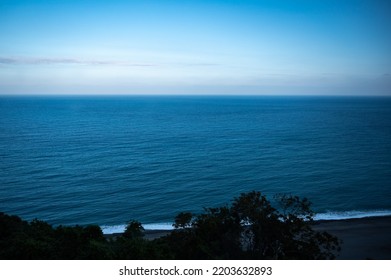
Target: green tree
[
  {"x": 133, "y": 230},
  {"x": 131, "y": 244},
  {"x": 252, "y": 228}
]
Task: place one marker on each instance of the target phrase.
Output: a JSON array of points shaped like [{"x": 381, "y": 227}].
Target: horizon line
[{"x": 186, "y": 95}]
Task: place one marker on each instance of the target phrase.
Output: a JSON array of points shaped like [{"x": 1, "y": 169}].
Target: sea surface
[{"x": 107, "y": 160}]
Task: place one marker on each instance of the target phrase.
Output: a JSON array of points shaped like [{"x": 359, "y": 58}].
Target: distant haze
[{"x": 195, "y": 47}]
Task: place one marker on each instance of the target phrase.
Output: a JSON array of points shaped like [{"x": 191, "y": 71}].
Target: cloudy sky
[{"x": 333, "y": 47}]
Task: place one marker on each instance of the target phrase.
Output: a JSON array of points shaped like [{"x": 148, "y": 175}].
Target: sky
[{"x": 265, "y": 47}]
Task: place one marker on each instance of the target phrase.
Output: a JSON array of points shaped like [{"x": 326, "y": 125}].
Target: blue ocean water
[{"x": 106, "y": 160}]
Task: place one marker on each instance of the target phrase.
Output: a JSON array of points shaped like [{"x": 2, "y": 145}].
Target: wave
[
  {"x": 355, "y": 214},
  {"x": 121, "y": 228},
  {"x": 332, "y": 215}
]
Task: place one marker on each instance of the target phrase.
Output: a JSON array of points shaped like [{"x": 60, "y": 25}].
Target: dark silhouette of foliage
[
  {"x": 39, "y": 240},
  {"x": 131, "y": 245},
  {"x": 249, "y": 228},
  {"x": 81, "y": 243},
  {"x": 133, "y": 230},
  {"x": 183, "y": 220}
]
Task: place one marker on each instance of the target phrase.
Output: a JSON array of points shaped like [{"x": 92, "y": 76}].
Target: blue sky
[{"x": 195, "y": 47}]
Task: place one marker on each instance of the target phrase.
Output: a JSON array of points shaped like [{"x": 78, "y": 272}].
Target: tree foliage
[{"x": 250, "y": 228}]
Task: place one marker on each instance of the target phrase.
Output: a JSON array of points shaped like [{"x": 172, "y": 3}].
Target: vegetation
[{"x": 249, "y": 228}]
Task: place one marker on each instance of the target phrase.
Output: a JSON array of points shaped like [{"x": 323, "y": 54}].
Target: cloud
[
  {"x": 73, "y": 61},
  {"x": 68, "y": 61},
  {"x": 4, "y": 60}
]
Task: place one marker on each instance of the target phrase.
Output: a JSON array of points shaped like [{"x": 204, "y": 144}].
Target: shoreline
[{"x": 362, "y": 238}]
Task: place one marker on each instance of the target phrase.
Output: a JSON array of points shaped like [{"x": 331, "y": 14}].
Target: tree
[
  {"x": 251, "y": 228},
  {"x": 183, "y": 220},
  {"x": 131, "y": 244},
  {"x": 134, "y": 229}
]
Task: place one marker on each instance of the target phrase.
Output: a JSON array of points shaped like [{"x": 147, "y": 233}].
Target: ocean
[{"x": 107, "y": 160}]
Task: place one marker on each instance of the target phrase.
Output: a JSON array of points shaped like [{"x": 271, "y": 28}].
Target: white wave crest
[
  {"x": 121, "y": 228},
  {"x": 343, "y": 215},
  {"x": 331, "y": 215}
]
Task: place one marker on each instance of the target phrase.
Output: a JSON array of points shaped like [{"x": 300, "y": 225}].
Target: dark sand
[{"x": 363, "y": 238}]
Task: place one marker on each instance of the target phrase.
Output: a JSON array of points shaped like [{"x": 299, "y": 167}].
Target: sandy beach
[{"x": 362, "y": 238}]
